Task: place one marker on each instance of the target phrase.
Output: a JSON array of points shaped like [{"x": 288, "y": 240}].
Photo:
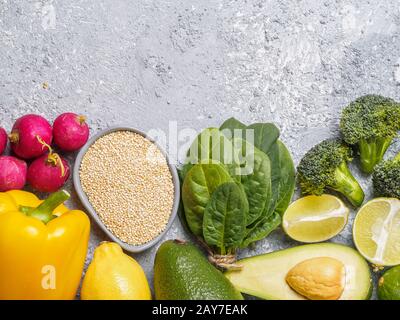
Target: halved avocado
[{"x": 264, "y": 276}]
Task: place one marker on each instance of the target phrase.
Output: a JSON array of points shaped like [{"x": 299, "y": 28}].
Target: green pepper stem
[
  {"x": 44, "y": 212},
  {"x": 25, "y": 209}
]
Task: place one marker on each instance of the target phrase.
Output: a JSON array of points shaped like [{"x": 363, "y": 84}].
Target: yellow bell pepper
[{"x": 43, "y": 246}]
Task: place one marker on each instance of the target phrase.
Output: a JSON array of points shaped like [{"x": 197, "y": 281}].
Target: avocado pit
[{"x": 321, "y": 278}]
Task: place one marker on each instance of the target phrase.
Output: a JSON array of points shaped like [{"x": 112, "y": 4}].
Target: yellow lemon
[{"x": 113, "y": 275}]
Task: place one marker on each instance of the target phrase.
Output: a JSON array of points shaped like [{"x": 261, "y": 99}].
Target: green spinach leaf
[
  {"x": 232, "y": 124},
  {"x": 198, "y": 186},
  {"x": 255, "y": 177},
  {"x": 209, "y": 146},
  {"x": 288, "y": 179},
  {"x": 183, "y": 170},
  {"x": 262, "y": 229},
  {"x": 264, "y": 137},
  {"x": 224, "y": 222}
]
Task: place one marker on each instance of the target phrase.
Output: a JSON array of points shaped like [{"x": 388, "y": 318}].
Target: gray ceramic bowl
[{"x": 85, "y": 201}]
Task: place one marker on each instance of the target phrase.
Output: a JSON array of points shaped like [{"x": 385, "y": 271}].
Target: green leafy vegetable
[
  {"x": 224, "y": 223},
  {"x": 256, "y": 181},
  {"x": 210, "y": 146},
  {"x": 198, "y": 186},
  {"x": 287, "y": 180},
  {"x": 237, "y": 182},
  {"x": 264, "y": 137},
  {"x": 232, "y": 124},
  {"x": 262, "y": 229}
]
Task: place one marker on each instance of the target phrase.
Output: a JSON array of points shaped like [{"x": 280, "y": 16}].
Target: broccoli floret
[
  {"x": 386, "y": 178},
  {"x": 325, "y": 167},
  {"x": 370, "y": 122}
]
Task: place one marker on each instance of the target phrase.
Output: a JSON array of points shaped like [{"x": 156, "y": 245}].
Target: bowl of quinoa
[{"x": 127, "y": 184}]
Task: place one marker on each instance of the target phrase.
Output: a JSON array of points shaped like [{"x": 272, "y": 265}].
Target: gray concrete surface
[{"x": 145, "y": 63}]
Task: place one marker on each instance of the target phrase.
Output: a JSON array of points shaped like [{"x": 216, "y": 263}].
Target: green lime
[
  {"x": 376, "y": 231},
  {"x": 389, "y": 285},
  {"x": 315, "y": 218}
]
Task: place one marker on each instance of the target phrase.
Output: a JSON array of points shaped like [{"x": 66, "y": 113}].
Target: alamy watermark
[{"x": 233, "y": 148}]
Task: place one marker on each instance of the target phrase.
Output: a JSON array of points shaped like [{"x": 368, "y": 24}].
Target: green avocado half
[{"x": 264, "y": 276}]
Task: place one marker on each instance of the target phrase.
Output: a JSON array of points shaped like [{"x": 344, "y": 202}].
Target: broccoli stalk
[
  {"x": 386, "y": 178},
  {"x": 325, "y": 167},
  {"x": 372, "y": 152},
  {"x": 347, "y": 185},
  {"x": 370, "y": 123}
]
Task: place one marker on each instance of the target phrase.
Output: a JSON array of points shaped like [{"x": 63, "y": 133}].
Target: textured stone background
[{"x": 144, "y": 63}]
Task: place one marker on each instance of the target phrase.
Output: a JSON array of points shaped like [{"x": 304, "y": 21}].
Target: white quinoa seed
[{"x": 128, "y": 182}]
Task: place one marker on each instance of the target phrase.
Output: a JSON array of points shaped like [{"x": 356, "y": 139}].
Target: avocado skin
[
  {"x": 389, "y": 285},
  {"x": 181, "y": 272}
]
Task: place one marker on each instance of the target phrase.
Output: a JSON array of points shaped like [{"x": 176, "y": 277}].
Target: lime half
[
  {"x": 376, "y": 231},
  {"x": 315, "y": 218}
]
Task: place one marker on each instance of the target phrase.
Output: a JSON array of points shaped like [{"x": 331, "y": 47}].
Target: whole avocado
[
  {"x": 181, "y": 272},
  {"x": 389, "y": 285}
]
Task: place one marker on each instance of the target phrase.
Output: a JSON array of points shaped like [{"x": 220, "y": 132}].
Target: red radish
[
  {"x": 30, "y": 136},
  {"x": 70, "y": 131},
  {"x": 48, "y": 173},
  {"x": 12, "y": 173},
  {"x": 3, "y": 140}
]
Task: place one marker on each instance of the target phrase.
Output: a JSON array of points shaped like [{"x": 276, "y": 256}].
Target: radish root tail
[{"x": 52, "y": 158}]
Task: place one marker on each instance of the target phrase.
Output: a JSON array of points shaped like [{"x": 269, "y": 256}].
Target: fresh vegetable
[
  {"x": 198, "y": 186},
  {"x": 30, "y": 136},
  {"x": 321, "y": 278},
  {"x": 181, "y": 272},
  {"x": 260, "y": 229},
  {"x": 389, "y": 285},
  {"x": 70, "y": 131},
  {"x": 370, "y": 123},
  {"x": 224, "y": 222},
  {"x": 211, "y": 146},
  {"x": 315, "y": 218},
  {"x": 42, "y": 246},
  {"x": 113, "y": 275},
  {"x": 287, "y": 179},
  {"x": 386, "y": 178},
  {"x": 12, "y": 173},
  {"x": 256, "y": 182},
  {"x": 325, "y": 167},
  {"x": 376, "y": 231},
  {"x": 48, "y": 173},
  {"x": 3, "y": 140},
  {"x": 258, "y": 163},
  {"x": 265, "y": 136},
  {"x": 265, "y": 276}
]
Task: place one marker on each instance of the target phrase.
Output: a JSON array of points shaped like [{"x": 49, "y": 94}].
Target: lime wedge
[
  {"x": 376, "y": 231},
  {"x": 315, "y": 218}
]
